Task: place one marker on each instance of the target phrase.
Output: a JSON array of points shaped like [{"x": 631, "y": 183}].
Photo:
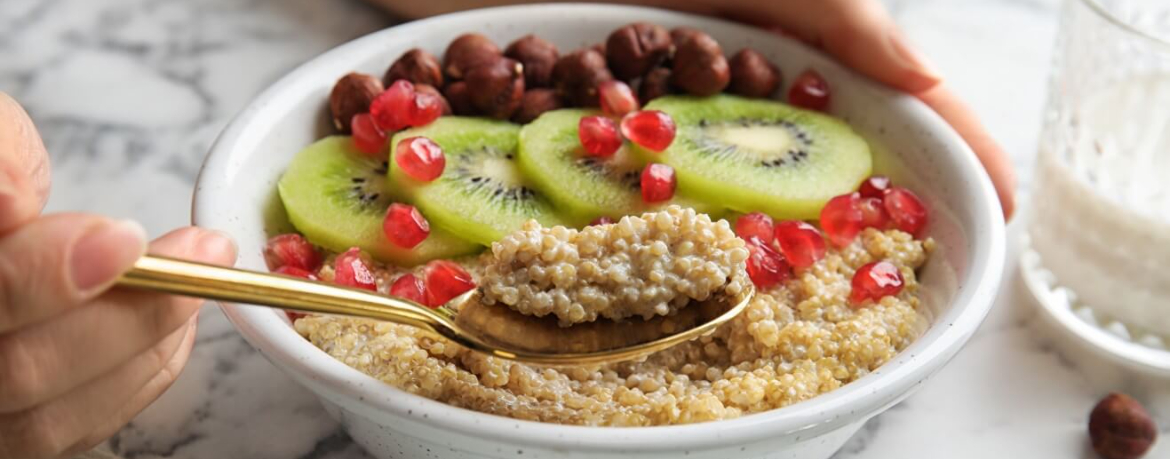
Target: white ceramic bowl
[{"x": 236, "y": 193}]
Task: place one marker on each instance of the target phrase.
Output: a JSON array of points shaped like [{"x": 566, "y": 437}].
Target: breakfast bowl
[{"x": 236, "y": 193}]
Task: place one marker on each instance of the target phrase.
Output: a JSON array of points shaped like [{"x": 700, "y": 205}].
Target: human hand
[
  {"x": 78, "y": 359},
  {"x": 861, "y": 35}
]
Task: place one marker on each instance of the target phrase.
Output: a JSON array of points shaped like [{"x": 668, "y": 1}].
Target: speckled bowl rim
[{"x": 265, "y": 330}]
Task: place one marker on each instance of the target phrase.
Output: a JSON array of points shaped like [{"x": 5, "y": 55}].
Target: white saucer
[{"x": 1125, "y": 344}]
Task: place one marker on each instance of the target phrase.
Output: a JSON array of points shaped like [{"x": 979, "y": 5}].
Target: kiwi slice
[
  {"x": 760, "y": 155},
  {"x": 581, "y": 186},
  {"x": 336, "y": 197},
  {"x": 481, "y": 195}
]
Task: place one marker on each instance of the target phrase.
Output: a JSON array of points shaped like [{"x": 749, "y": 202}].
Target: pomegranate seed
[
  {"x": 652, "y": 129},
  {"x": 293, "y": 315},
  {"x": 755, "y": 225},
  {"x": 874, "y": 281},
  {"x": 601, "y": 221},
  {"x": 801, "y": 243},
  {"x": 599, "y": 136},
  {"x": 405, "y": 226},
  {"x": 765, "y": 266},
  {"x": 905, "y": 210},
  {"x": 427, "y": 108},
  {"x": 841, "y": 219},
  {"x": 658, "y": 183},
  {"x": 873, "y": 213},
  {"x": 445, "y": 280},
  {"x": 291, "y": 250},
  {"x": 367, "y": 136},
  {"x": 874, "y": 187},
  {"x": 351, "y": 270},
  {"x": 810, "y": 91},
  {"x": 420, "y": 158},
  {"x": 617, "y": 98},
  {"x": 409, "y": 287},
  {"x": 394, "y": 106},
  {"x": 295, "y": 272}
]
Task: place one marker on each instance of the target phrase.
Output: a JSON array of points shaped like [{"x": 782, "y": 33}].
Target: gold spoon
[{"x": 490, "y": 329}]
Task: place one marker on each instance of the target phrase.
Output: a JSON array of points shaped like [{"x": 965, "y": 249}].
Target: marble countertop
[{"x": 129, "y": 94}]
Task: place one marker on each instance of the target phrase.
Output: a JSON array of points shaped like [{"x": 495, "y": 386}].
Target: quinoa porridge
[{"x": 794, "y": 341}]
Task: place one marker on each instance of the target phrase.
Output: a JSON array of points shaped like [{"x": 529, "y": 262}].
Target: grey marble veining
[{"x": 129, "y": 94}]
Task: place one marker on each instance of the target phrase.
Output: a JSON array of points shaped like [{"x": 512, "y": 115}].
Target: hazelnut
[
  {"x": 635, "y": 49},
  {"x": 496, "y": 88},
  {"x": 752, "y": 75},
  {"x": 577, "y": 75},
  {"x": 678, "y": 35},
  {"x": 655, "y": 84},
  {"x": 459, "y": 98},
  {"x": 466, "y": 52},
  {"x": 699, "y": 66},
  {"x": 538, "y": 56},
  {"x": 1120, "y": 428},
  {"x": 416, "y": 66},
  {"x": 534, "y": 103},
  {"x": 599, "y": 47},
  {"x": 351, "y": 95},
  {"x": 428, "y": 89}
]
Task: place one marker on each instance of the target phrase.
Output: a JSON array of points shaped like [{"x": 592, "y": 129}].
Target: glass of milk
[{"x": 1100, "y": 212}]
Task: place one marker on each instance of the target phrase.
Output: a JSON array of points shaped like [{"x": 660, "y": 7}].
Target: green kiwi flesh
[
  {"x": 481, "y": 196},
  {"x": 760, "y": 155},
  {"x": 583, "y": 187},
  {"x": 337, "y": 198}
]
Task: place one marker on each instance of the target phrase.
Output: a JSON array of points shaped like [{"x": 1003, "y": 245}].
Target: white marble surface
[{"x": 130, "y": 93}]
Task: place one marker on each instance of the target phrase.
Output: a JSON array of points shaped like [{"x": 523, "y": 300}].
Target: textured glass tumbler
[{"x": 1100, "y": 221}]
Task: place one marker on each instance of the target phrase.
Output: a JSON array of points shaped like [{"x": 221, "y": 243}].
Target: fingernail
[
  {"x": 215, "y": 242},
  {"x": 912, "y": 59},
  {"x": 104, "y": 252}
]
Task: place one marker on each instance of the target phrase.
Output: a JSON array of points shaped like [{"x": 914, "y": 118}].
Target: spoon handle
[{"x": 200, "y": 280}]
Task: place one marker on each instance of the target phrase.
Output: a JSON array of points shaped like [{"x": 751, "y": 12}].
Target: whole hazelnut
[
  {"x": 496, "y": 88},
  {"x": 577, "y": 75},
  {"x": 428, "y": 89},
  {"x": 699, "y": 66},
  {"x": 1120, "y": 428},
  {"x": 635, "y": 49},
  {"x": 466, "y": 52},
  {"x": 538, "y": 56},
  {"x": 599, "y": 47},
  {"x": 459, "y": 98},
  {"x": 678, "y": 35},
  {"x": 655, "y": 84},
  {"x": 416, "y": 66},
  {"x": 351, "y": 95},
  {"x": 534, "y": 103},
  {"x": 752, "y": 75}
]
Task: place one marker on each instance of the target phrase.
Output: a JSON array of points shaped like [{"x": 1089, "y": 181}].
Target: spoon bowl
[{"x": 488, "y": 329}]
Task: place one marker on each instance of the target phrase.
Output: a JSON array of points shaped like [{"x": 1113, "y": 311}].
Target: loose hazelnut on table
[
  {"x": 538, "y": 56},
  {"x": 536, "y": 102},
  {"x": 752, "y": 75},
  {"x": 351, "y": 95},
  {"x": 635, "y": 49},
  {"x": 678, "y": 35},
  {"x": 418, "y": 67},
  {"x": 699, "y": 66},
  {"x": 468, "y": 51},
  {"x": 654, "y": 85},
  {"x": 577, "y": 75},
  {"x": 496, "y": 89},
  {"x": 1120, "y": 428},
  {"x": 459, "y": 98}
]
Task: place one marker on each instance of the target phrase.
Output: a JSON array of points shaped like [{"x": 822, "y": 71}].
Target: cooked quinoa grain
[
  {"x": 792, "y": 343},
  {"x": 638, "y": 267}
]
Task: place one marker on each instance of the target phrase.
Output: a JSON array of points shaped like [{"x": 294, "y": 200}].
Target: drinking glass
[{"x": 1099, "y": 228}]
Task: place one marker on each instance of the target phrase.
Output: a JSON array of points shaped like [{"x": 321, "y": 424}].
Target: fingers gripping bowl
[{"x": 236, "y": 193}]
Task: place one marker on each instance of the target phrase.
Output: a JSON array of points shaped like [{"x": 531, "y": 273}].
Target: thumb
[{"x": 858, "y": 33}]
